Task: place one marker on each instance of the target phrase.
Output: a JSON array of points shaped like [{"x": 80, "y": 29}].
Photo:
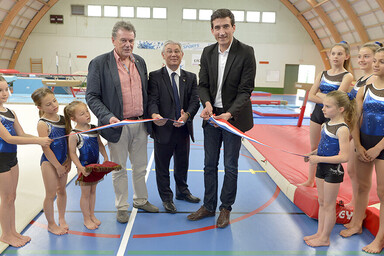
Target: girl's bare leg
[
  {"x": 50, "y": 179},
  {"x": 377, "y": 244},
  {"x": 8, "y": 185},
  {"x": 314, "y": 136}
]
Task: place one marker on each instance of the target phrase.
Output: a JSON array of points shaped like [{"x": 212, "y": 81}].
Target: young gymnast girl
[
  {"x": 11, "y": 133},
  {"x": 55, "y": 162},
  {"x": 89, "y": 145},
  {"x": 364, "y": 60},
  {"x": 333, "y": 150},
  {"x": 369, "y": 143},
  {"x": 336, "y": 78}
]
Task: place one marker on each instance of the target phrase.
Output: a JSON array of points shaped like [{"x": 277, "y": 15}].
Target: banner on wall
[
  {"x": 154, "y": 45},
  {"x": 196, "y": 59}
]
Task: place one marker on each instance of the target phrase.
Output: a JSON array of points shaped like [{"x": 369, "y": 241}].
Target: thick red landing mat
[{"x": 295, "y": 170}]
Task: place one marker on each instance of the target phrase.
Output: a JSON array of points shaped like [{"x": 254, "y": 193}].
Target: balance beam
[{"x": 62, "y": 83}]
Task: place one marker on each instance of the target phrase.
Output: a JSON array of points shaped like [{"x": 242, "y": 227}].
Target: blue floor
[{"x": 266, "y": 222}]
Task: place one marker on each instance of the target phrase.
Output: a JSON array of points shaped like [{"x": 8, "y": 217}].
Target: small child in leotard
[
  {"x": 336, "y": 78},
  {"x": 55, "y": 162},
  {"x": 11, "y": 133},
  {"x": 89, "y": 146},
  {"x": 333, "y": 150}
]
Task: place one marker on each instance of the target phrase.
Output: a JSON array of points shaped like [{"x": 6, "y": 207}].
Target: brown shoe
[
  {"x": 223, "y": 219},
  {"x": 200, "y": 214}
]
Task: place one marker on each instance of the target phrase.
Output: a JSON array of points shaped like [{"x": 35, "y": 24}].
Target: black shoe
[
  {"x": 170, "y": 207},
  {"x": 189, "y": 198}
]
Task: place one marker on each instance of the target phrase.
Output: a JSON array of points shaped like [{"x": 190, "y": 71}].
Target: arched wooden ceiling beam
[
  {"x": 381, "y": 4},
  {"x": 355, "y": 20},
  {"x": 10, "y": 16},
  {"x": 28, "y": 31},
  {"x": 309, "y": 29},
  {"x": 327, "y": 21},
  {"x": 42, "y": 2}
]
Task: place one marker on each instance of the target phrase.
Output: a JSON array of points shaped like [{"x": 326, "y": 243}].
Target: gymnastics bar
[{"x": 306, "y": 87}]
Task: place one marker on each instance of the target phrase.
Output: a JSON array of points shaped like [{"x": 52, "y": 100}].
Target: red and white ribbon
[
  {"x": 223, "y": 124},
  {"x": 118, "y": 124}
]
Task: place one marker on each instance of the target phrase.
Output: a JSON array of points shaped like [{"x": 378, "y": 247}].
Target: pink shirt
[{"x": 130, "y": 87}]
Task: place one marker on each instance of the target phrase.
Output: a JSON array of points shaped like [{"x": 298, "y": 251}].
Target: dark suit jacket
[
  {"x": 161, "y": 101},
  {"x": 104, "y": 96},
  {"x": 238, "y": 82}
]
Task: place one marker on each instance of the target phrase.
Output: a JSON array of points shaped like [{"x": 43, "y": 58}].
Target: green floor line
[
  {"x": 58, "y": 252},
  {"x": 246, "y": 253}
]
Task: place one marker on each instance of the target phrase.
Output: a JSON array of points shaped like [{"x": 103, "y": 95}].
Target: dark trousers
[
  {"x": 213, "y": 138},
  {"x": 178, "y": 147}
]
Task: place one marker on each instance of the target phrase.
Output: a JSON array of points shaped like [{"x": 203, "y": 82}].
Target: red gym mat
[
  {"x": 263, "y": 94},
  {"x": 295, "y": 170},
  {"x": 276, "y": 114},
  {"x": 269, "y": 102}
]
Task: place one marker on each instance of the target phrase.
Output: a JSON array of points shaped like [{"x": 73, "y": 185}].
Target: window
[
  {"x": 306, "y": 74},
  {"x": 94, "y": 10},
  {"x": 128, "y": 12},
  {"x": 269, "y": 17},
  {"x": 239, "y": 16},
  {"x": 205, "y": 14},
  {"x": 143, "y": 12},
  {"x": 253, "y": 16},
  {"x": 110, "y": 11},
  {"x": 77, "y": 9},
  {"x": 189, "y": 14},
  {"x": 159, "y": 13}
]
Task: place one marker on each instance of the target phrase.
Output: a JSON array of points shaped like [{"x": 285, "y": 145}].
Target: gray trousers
[{"x": 132, "y": 144}]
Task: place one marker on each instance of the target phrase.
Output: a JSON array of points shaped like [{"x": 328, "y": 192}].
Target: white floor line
[{"x": 132, "y": 217}]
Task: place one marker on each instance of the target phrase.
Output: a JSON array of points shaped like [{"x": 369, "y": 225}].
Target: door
[{"x": 290, "y": 78}]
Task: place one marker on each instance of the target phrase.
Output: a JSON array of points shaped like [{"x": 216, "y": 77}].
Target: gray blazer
[{"x": 104, "y": 96}]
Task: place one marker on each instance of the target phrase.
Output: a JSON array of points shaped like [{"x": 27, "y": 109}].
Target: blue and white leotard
[
  {"x": 359, "y": 83},
  {"x": 373, "y": 111},
  {"x": 88, "y": 147},
  {"x": 330, "y": 83},
  {"x": 329, "y": 142},
  {"x": 7, "y": 119},
  {"x": 59, "y": 146}
]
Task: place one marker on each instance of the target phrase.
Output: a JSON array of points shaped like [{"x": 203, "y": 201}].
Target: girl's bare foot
[
  {"x": 54, "y": 229},
  {"x": 316, "y": 242},
  {"x": 89, "y": 224},
  {"x": 13, "y": 241},
  {"x": 374, "y": 247},
  {"x": 348, "y": 225},
  {"x": 306, "y": 238},
  {"x": 24, "y": 238},
  {"x": 351, "y": 231},
  {"x": 63, "y": 224},
  {"x": 95, "y": 220}
]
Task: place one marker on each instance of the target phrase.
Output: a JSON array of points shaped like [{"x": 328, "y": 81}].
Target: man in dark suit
[
  {"x": 172, "y": 94},
  {"x": 117, "y": 90},
  {"x": 226, "y": 81}
]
